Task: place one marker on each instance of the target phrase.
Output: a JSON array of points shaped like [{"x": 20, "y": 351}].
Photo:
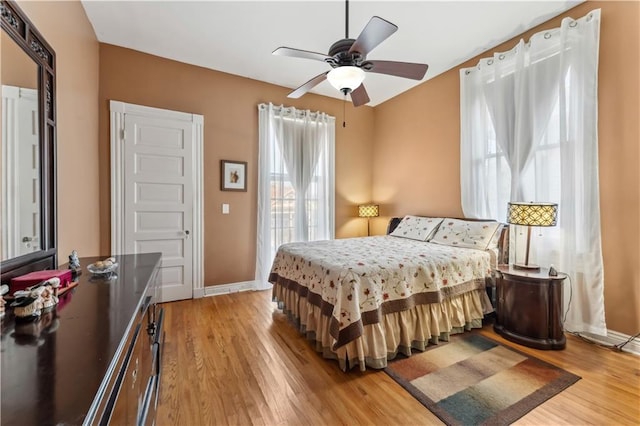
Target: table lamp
[
  {"x": 368, "y": 211},
  {"x": 531, "y": 214}
]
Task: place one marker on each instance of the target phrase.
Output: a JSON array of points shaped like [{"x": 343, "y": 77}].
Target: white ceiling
[{"x": 238, "y": 37}]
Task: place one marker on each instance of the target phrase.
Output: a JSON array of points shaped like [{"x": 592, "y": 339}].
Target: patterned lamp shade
[
  {"x": 369, "y": 210},
  {"x": 533, "y": 214}
]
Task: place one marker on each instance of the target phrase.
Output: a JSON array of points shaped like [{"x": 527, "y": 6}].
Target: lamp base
[{"x": 528, "y": 267}]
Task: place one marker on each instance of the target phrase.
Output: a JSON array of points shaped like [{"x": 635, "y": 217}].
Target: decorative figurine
[
  {"x": 74, "y": 263},
  {"x": 3, "y": 290},
  {"x": 35, "y": 300}
]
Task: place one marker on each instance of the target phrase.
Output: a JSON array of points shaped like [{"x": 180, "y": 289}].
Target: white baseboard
[
  {"x": 216, "y": 290},
  {"x": 616, "y": 338}
]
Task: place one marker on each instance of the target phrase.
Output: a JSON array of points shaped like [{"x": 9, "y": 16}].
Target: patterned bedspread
[{"x": 358, "y": 280}]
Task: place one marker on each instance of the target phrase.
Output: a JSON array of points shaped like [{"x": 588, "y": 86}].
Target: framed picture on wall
[{"x": 233, "y": 175}]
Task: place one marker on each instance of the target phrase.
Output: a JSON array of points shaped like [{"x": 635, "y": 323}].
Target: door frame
[{"x": 118, "y": 110}]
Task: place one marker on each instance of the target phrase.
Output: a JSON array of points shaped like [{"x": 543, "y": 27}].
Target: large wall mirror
[{"x": 28, "y": 130}]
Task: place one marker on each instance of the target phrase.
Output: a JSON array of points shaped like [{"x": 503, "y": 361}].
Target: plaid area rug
[{"x": 474, "y": 380}]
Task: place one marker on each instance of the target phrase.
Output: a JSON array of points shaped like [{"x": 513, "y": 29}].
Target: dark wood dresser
[
  {"x": 529, "y": 307},
  {"x": 95, "y": 359}
]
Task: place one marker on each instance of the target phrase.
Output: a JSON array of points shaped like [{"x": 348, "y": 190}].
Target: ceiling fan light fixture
[{"x": 346, "y": 78}]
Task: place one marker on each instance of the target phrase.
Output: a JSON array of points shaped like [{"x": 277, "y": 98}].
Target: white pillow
[
  {"x": 416, "y": 227},
  {"x": 469, "y": 234}
]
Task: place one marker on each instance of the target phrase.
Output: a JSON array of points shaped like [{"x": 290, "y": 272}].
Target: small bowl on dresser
[{"x": 102, "y": 268}]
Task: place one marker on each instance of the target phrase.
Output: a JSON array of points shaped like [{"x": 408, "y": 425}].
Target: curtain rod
[
  {"x": 299, "y": 112},
  {"x": 546, "y": 34}
]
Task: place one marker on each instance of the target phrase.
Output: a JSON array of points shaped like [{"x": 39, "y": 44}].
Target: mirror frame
[{"x": 15, "y": 23}]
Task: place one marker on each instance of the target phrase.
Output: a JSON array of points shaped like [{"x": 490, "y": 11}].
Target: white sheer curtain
[
  {"x": 529, "y": 133},
  {"x": 301, "y": 142},
  {"x": 295, "y": 180},
  {"x": 520, "y": 100}
]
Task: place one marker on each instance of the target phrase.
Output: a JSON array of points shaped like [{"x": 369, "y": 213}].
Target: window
[
  {"x": 296, "y": 180},
  {"x": 541, "y": 177}
]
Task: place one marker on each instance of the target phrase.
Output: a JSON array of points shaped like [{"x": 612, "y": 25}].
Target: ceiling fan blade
[
  {"x": 298, "y": 53},
  {"x": 376, "y": 31},
  {"x": 308, "y": 85},
  {"x": 359, "y": 96},
  {"x": 399, "y": 69}
]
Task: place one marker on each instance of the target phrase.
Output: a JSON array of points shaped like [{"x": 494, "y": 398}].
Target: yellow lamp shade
[
  {"x": 533, "y": 214},
  {"x": 369, "y": 210}
]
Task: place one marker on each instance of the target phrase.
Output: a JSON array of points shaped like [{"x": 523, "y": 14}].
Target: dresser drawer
[
  {"x": 122, "y": 404},
  {"x": 137, "y": 365}
]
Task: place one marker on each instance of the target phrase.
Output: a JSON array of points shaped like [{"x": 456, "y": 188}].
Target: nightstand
[{"x": 529, "y": 307}]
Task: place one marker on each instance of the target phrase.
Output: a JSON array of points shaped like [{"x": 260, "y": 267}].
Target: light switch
[{"x": 225, "y": 209}]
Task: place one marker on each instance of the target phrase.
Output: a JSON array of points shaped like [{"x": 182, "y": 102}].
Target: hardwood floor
[{"x": 235, "y": 359}]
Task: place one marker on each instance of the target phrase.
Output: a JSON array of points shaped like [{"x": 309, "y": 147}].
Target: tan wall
[
  {"x": 66, "y": 28},
  {"x": 16, "y": 67},
  {"x": 417, "y": 152},
  {"x": 229, "y": 106}
]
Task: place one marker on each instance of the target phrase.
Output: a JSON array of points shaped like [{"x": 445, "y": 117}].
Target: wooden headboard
[{"x": 503, "y": 242}]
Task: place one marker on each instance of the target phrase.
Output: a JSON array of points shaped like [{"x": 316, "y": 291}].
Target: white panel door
[{"x": 158, "y": 198}]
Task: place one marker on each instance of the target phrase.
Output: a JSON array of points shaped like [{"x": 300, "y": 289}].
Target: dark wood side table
[{"x": 529, "y": 307}]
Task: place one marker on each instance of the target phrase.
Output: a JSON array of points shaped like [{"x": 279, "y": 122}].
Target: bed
[{"x": 363, "y": 300}]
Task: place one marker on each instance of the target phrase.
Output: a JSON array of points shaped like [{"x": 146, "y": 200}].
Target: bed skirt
[{"x": 398, "y": 332}]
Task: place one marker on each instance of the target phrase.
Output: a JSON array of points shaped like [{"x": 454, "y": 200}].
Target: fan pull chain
[{"x": 344, "y": 111}]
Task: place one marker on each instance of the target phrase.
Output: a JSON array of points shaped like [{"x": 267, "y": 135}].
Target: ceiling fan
[{"x": 348, "y": 60}]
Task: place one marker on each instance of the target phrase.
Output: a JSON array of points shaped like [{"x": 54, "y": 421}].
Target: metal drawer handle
[{"x": 134, "y": 373}]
